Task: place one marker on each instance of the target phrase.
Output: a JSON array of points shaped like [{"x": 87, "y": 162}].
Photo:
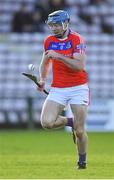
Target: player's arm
[
  {"x": 44, "y": 67},
  {"x": 78, "y": 60},
  {"x": 75, "y": 63},
  {"x": 43, "y": 71}
]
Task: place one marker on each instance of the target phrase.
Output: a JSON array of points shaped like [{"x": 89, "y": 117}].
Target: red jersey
[{"x": 62, "y": 75}]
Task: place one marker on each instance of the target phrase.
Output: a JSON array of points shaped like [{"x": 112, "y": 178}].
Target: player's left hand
[{"x": 52, "y": 54}]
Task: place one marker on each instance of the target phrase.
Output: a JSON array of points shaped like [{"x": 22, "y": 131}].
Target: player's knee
[
  {"x": 47, "y": 124},
  {"x": 80, "y": 133}
]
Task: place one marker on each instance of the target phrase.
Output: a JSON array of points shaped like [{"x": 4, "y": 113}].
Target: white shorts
[{"x": 70, "y": 95}]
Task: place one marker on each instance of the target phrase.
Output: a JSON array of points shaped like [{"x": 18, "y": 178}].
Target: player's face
[{"x": 56, "y": 29}]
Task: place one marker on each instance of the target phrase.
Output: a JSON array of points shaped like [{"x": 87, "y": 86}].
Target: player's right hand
[{"x": 41, "y": 85}]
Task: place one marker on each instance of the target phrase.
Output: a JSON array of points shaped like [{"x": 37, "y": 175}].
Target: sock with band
[
  {"x": 69, "y": 122},
  {"x": 82, "y": 158}
]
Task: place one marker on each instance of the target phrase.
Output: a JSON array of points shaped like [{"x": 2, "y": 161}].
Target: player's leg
[
  {"x": 52, "y": 108},
  {"x": 50, "y": 115},
  {"x": 80, "y": 112}
]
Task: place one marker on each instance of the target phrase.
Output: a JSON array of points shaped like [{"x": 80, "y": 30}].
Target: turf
[{"x": 52, "y": 155}]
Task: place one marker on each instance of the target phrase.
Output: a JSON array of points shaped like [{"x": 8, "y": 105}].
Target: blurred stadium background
[{"x": 22, "y": 31}]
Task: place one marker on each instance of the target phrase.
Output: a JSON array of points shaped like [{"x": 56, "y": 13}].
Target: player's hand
[
  {"x": 52, "y": 54},
  {"x": 42, "y": 85}
]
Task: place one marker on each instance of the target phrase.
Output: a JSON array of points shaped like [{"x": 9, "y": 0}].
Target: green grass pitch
[{"x": 52, "y": 155}]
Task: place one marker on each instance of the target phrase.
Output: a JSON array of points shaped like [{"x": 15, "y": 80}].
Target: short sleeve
[
  {"x": 79, "y": 45},
  {"x": 45, "y": 45}
]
